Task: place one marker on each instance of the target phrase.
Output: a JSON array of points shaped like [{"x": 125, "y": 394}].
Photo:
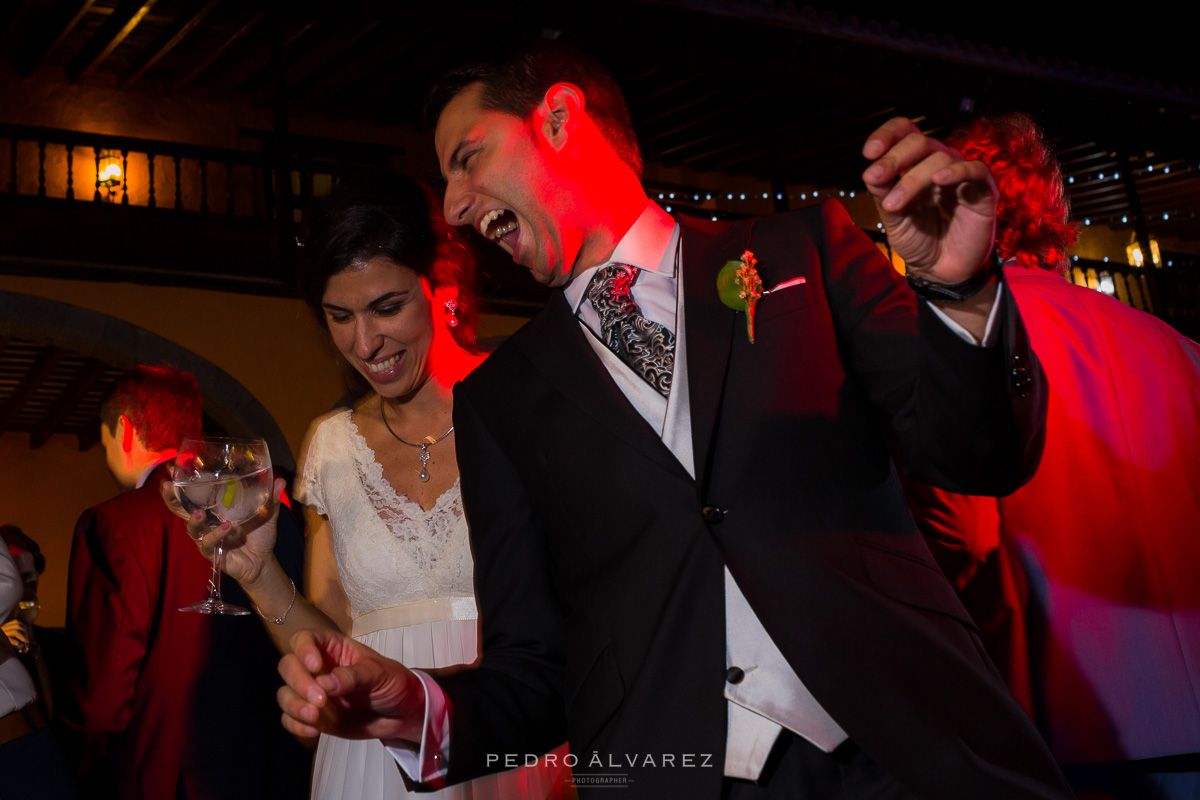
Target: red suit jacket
[
  {"x": 167, "y": 701},
  {"x": 1087, "y": 580},
  {"x": 599, "y": 559}
]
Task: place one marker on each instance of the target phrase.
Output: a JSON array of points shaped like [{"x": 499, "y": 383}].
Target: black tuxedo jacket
[{"x": 599, "y": 559}]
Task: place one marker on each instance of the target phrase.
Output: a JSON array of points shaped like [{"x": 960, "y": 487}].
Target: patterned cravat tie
[{"x": 647, "y": 347}]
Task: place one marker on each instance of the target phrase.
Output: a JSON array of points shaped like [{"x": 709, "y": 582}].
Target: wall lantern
[
  {"x": 1133, "y": 252},
  {"x": 110, "y": 175}
]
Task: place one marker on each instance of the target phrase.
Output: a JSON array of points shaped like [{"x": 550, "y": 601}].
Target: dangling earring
[{"x": 451, "y": 308}]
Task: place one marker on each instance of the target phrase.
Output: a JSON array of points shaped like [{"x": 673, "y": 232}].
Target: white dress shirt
[{"x": 770, "y": 696}]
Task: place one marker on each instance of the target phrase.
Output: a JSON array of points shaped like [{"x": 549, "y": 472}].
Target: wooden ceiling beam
[
  {"x": 39, "y": 47},
  {"x": 217, "y": 52},
  {"x": 120, "y": 24},
  {"x": 351, "y": 73},
  {"x": 186, "y": 23},
  {"x": 89, "y": 372},
  {"x": 260, "y": 58},
  {"x": 36, "y": 376}
]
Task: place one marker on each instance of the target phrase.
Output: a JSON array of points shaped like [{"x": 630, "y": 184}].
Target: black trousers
[{"x": 796, "y": 770}]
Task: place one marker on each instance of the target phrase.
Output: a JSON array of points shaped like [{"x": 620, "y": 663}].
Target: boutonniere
[{"x": 739, "y": 287}]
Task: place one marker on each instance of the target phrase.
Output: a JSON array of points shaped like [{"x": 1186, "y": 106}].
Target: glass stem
[{"x": 214, "y": 582}]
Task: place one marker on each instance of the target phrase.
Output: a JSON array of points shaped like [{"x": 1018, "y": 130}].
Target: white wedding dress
[{"x": 408, "y": 575}]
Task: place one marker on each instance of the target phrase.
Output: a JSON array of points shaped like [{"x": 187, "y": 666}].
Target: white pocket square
[{"x": 787, "y": 284}]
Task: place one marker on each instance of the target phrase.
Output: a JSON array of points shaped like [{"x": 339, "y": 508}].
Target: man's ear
[
  {"x": 557, "y": 116},
  {"x": 125, "y": 433}
]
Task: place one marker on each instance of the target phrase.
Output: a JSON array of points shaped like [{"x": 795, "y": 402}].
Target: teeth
[
  {"x": 500, "y": 230},
  {"x": 384, "y": 366},
  {"x": 488, "y": 219}
]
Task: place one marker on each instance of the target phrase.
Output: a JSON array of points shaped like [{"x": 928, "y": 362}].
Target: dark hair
[
  {"x": 1033, "y": 209},
  {"x": 515, "y": 81},
  {"x": 17, "y": 540},
  {"x": 163, "y": 403},
  {"x": 395, "y": 215}
]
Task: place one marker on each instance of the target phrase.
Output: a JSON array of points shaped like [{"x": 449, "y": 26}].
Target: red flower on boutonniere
[{"x": 739, "y": 287}]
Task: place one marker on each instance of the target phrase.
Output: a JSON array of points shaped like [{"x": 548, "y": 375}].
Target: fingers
[
  {"x": 167, "y": 490},
  {"x": 299, "y": 717},
  {"x": 886, "y": 135},
  {"x": 916, "y": 180}
]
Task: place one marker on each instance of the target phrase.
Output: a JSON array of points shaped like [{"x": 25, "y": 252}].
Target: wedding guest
[
  {"x": 31, "y": 762},
  {"x": 1084, "y": 580},
  {"x": 153, "y": 687}
]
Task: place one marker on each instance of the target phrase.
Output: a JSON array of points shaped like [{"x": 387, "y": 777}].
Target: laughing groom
[{"x": 689, "y": 537}]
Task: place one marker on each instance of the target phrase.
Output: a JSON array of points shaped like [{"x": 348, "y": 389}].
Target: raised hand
[
  {"x": 334, "y": 685},
  {"x": 938, "y": 209},
  {"x": 249, "y": 547}
]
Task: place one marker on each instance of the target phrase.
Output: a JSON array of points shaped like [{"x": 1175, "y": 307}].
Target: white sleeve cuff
[
  {"x": 989, "y": 335},
  {"x": 427, "y": 763}
]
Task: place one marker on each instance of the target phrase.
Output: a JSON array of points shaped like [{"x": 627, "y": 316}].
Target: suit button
[
  {"x": 735, "y": 675},
  {"x": 712, "y": 514}
]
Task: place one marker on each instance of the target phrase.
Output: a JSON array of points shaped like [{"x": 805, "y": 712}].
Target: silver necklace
[{"x": 425, "y": 443}]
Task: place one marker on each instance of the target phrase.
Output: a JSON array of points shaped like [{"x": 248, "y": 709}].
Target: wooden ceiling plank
[
  {"x": 260, "y": 59},
  {"x": 10, "y": 26},
  {"x": 124, "y": 19},
  {"x": 34, "y": 57},
  {"x": 167, "y": 42},
  {"x": 33, "y": 380},
  {"x": 372, "y": 62},
  {"x": 216, "y": 53},
  {"x": 90, "y": 371}
]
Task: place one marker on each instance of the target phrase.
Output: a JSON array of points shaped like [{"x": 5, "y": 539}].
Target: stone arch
[{"x": 123, "y": 344}]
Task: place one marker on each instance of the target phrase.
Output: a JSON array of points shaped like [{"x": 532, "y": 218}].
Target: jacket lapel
[
  {"x": 710, "y": 326},
  {"x": 557, "y": 344}
]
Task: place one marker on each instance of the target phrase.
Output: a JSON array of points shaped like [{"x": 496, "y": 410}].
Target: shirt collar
[
  {"x": 646, "y": 245},
  {"x": 163, "y": 457}
]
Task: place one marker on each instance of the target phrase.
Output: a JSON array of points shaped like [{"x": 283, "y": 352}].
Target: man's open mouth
[{"x": 498, "y": 224}]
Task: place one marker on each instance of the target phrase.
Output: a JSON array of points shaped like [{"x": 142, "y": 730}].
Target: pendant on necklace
[{"x": 423, "y": 475}]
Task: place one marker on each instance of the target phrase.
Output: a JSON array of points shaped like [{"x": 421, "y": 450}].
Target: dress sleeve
[{"x": 307, "y": 486}]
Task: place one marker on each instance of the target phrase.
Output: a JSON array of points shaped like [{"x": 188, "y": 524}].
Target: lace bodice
[{"x": 389, "y": 550}]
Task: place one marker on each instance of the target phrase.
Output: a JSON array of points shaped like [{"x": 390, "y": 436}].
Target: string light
[
  {"x": 1087, "y": 222},
  {"x": 708, "y": 197},
  {"x": 1116, "y": 176},
  {"x": 1166, "y": 216},
  {"x": 1150, "y": 168},
  {"x": 1166, "y": 170},
  {"x": 671, "y": 196},
  {"x": 742, "y": 197},
  {"x": 1101, "y": 176},
  {"x": 668, "y": 209},
  {"x": 852, "y": 193},
  {"x": 1124, "y": 219},
  {"x": 765, "y": 195},
  {"x": 804, "y": 195},
  {"x": 1070, "y": 179}
]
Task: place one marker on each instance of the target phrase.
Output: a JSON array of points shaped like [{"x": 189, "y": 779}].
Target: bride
[{"x": 389, "y": 559}]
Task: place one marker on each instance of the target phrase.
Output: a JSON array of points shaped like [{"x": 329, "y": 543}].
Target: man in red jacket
[
  {"x": 155, "y": 688},
  {"x": 1084, "y": 580}
]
